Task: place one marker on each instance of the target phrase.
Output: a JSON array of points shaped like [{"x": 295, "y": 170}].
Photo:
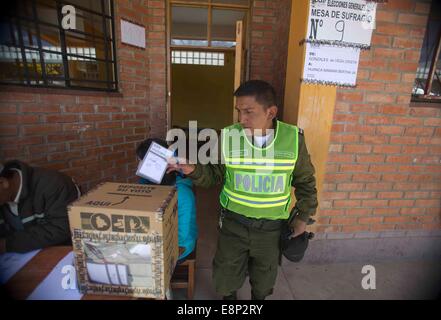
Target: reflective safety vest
[{"x": 258, "y": 180}]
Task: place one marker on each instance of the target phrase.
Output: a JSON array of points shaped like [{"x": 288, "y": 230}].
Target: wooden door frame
[{"x": 169, "y": 47}]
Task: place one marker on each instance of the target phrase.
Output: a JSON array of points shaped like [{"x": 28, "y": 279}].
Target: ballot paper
[
  {"x": 154, "y": 164},
  {"x": 108, "y": 273}
]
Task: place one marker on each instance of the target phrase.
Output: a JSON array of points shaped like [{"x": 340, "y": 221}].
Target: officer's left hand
[{"x": 298, "y": 227}]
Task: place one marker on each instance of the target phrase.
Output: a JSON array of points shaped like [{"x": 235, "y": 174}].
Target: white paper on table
[
  {"x": 11, "y": 263},
  {"x": 154, "y": 164},
  {"x": 108, "y": 273},
  {"x": 60, "y": 284}
]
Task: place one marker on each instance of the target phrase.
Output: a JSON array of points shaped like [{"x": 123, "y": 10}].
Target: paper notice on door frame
[
  {"x": 341, "y": 22},
  {"x": 331, "y": 65}
]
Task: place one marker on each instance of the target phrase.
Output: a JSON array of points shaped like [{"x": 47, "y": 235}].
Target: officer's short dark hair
[
  {"x": 169, "y": 178},
  {"x": 262, "y": 91}
]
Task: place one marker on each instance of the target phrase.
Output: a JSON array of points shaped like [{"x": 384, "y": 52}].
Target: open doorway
[{"x": 203, "y": 60}]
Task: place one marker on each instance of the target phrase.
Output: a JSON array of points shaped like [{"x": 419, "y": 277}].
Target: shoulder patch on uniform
[{"x": 301, "y": 131}]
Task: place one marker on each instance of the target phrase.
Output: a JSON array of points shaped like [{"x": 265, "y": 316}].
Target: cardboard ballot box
[{"x": 125, "y": 239}]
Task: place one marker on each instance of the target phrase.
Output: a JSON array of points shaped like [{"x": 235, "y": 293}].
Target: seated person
[
  {"x": 33, "y": 207},
  {"x": 187, "y": 227}
]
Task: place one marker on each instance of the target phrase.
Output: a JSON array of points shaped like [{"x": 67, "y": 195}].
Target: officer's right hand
[{"x": 180, "y": 165}]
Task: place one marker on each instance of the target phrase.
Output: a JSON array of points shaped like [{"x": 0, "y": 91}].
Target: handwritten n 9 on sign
[{"x": 132, "y": 34}]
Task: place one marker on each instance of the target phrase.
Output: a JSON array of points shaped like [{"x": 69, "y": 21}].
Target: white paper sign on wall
[
  {"x": 325, "y": 64},
  {"x": 132, "y": 34},
  {"x": 342, "y": 22}
]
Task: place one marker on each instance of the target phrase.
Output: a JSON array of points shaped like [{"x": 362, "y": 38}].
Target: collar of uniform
[{"x": 17, "y": 197}]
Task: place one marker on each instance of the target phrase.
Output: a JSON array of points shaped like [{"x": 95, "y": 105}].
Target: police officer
[{"x": 262, "y": 159}]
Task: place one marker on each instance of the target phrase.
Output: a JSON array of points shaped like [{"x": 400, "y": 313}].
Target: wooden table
[{"x": 24, "y": 282}]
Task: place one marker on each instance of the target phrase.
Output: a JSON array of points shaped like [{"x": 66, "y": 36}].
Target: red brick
[
  {"x": 344, "y": 138},
  {"x": 434, "y": 141},
  {"x": 419, "y": 131},
  {"x": 357, "y": 148},
  {"x": 41, "y": 129},
  {"x": 355, "y": 228},
  {"x": 394, "y": 110},
  {"x": 349, "y": 186},
  {"x": 433, "y": 122},
  {"x": 353, "y": 168},
  {"x": 399, "y": 159},
  {"x": 386, "y": 53},
  {"x": 336, "y": 157},
  {"x": 370, "y": 158},
  {"x": 403, "y": 140},
  {"x": 382, "y": 168},
  {"x": 393, "y": 130},
  {"x": 408, "y": 121},
  {"x": 379, "y": 186},
  {"x": 422, "y": 7},
  {"x": 392, "y": 29},
  {"x": 407, "y": 43},
  {"x": 358, "y": 211},
  {"x": 413, "y": 19},
  {"x": 350, "y": 96},
  {"x": 378, "y": 119},
  {"x": 423, "y": 112},
  {"x": 366, "y": 177},
  {"x": 374, "y": 139},
  {"x": 380, "y": 98},
  {"x": 370, "y": 220},
  {"x": 399, "y": 5},
  {"x": 337, "y": 178},
  {"x": 363, "y": 108},
  {"x": 390, "y": 195},
  {"x": 385, "y": 76},
  {"x": 417, "y": 194},
  {"x": 412, "y": 150},
  {"x": 362, "y": 195},
  {"x": 343, "y": 220},
  {"x": 8, "y": 131},
  {"x": 428, "y": 203},
  {"x": 399, "y": 219},
  {"x": 385, "y": 211},
  {"x": 346, "y": 203},
  {"x": 62, "y": 118},
  {"x": 387, "y": 149},
  {"x": 412, "y": 211},
  {"x": 401, "y": 203},
  {"x": 18, "y": 119},
  {"x": 374, "y": 203}
]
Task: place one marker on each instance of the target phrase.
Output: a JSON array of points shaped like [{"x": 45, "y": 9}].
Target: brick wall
[
  {"x": 269, "y": 43},
  {"x": 92, "y": 137},
  {"x": 383, "y": 170}
]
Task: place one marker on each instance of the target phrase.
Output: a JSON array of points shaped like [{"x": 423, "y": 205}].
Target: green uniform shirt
[{"x": 303, "y": 180}]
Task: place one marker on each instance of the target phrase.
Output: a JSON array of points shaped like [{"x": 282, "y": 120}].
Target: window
[
  {"x": 427, "y": 85},
  {"x": 202, "y": 58},
  {"x": 209, "y": 23},
  {"x": 36, "y": 51}
]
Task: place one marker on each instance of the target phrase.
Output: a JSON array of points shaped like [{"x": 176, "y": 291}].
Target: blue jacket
[{"x": 187, "y": 227}]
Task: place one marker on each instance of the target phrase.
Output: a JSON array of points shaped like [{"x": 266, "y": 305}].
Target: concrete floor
[{"x": 395, "y": 279}]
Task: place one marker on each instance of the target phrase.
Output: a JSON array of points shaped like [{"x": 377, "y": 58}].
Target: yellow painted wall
[{"x": 203, "y": 93}]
